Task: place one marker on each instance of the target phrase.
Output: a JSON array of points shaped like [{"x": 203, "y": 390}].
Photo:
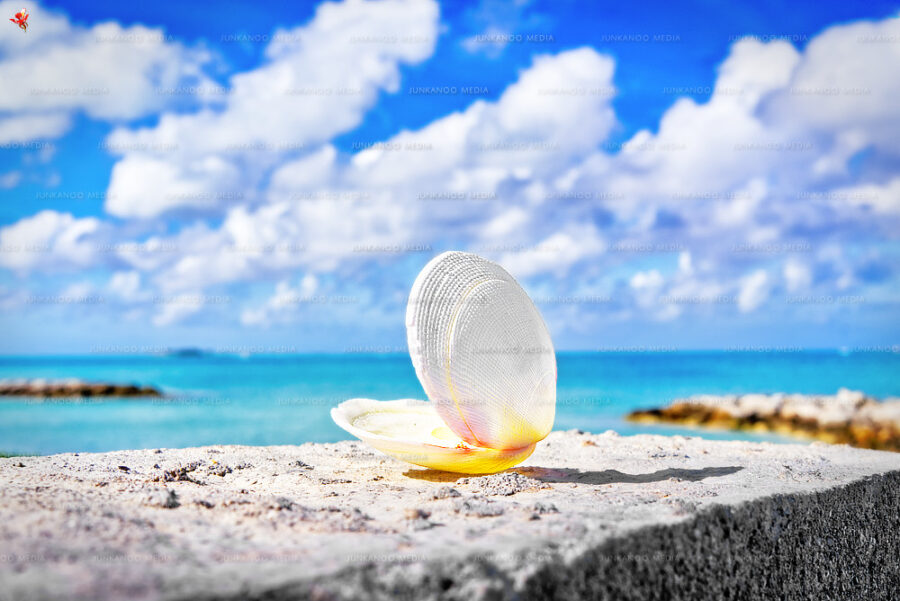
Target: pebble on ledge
[
  {"x": 73, "y": 388},
  {"x": 849, "y": 417}
]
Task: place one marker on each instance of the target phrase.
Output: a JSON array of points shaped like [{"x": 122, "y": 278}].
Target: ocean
[{"x": 285, "y": 399}]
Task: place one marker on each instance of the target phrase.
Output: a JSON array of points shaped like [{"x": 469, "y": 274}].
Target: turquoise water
[{"x": 284, "y": 399}]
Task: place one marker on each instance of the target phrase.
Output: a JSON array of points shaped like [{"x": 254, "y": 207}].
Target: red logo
[{"x": 21, "y": 19}]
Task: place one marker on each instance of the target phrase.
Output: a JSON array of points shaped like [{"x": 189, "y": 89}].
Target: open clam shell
[
  {"x": 412, "y": 430},
  {"x": 485, "y": 359}
]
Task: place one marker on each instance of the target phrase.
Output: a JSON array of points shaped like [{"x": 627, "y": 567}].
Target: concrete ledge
[{"x": 596, "y": 516}]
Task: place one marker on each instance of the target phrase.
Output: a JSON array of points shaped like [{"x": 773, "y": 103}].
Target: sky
[{"x": 271, "y": 178}]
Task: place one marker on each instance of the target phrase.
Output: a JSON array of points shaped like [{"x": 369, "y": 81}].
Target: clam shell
[
  {"x": 485, "y": 359},
  {"x": 411, "y": 430},
  {"x": 482, "y": 352}
]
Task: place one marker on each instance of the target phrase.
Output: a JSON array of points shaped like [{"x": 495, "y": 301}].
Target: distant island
[{"x": 186, "y": 353}]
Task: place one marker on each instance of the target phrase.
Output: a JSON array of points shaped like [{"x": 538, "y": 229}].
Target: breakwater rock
[
  {"x": 73, "y": 388},
  {"x": 848, "y": 417}
]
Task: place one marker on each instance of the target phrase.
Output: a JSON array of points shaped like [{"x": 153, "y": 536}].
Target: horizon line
[{"x": 649, "y": 349}]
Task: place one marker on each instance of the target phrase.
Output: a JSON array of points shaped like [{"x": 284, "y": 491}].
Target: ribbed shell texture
[{"x": 482, "y": 352}]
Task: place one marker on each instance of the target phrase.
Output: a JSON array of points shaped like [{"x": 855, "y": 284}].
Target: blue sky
[{"x": 272, "y": 178}]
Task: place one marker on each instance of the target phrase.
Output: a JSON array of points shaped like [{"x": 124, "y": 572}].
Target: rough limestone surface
[{"x": 587, "y": 516}]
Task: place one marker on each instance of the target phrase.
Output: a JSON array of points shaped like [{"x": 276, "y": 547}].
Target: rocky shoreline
[
  {"x": 73, "y": 388},
  {"x": 586, "y": 516},
  {"x": 848, "y": 417}
]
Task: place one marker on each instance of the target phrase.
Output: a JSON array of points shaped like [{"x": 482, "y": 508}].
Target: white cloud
[
  {"x": 647, "y": 286},
  {"x": 10, "y": 180},
  {"x": 847, "y": 84},
  {"x": 523, "y": 179},
  {"x": 176, "y": 310},
  {"x": 314, "y": 171},
  {"x": 753, "y": 70},
  {"x": 797, "y": 275},
  {"x": 49, "y": 240},
  {"x": 126, "y": 285},
  {"x": 506, "y": 223},
  {"x": 685, "y": 263},
  {"x": 491, "y": 42},
  {"x": 22, "y": 127},
  {"x": 646, "y": 280},
  {"x": 107, "y": 71},
  {"x": 556, "y": 254},
  {"x": 282, "y": 305},
  {"x": 704, "y": 154},
  {"x": 738, "y": 209},
  {"x": 879, "y": 199},
  {"x": 78, "y": 290},
  {"x": 322, "y": 212},
  {"x": 754, "y": 291},
  {"x": 318, "y": 81},
  {"x": 499, "y": 22},
  {"x": 764, "y": 163},
  {"x": 144, "y": 186}
]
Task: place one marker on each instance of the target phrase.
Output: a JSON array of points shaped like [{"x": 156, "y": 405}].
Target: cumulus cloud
[
  {"x": 556, "y": 254},
  {"x": 762, "y": 171},
  {"x": 50, "y": 241},
  {"x": 283, "y": 303},
  {"x": 797, "y": 275},
  {"x": 107, "y": 72},
  {"x": 497, "y": 23},
  {"x": 879, "y": 199},
  {"x": 754, "y": 291},
  {"x": 318, "y": 81},
  {"x": 177, "y": 309},
  {"x": 20, "y": 128},
  {"x": 145, "y": 186},
  {"x": 322, "y": 212},
  {"x": 647, "y": 285},
  {"x": 10, "y": 180},
  {"x": 843, "y": 87},
  {"x": 126, "y": 285},
  {"x": 723, "y": 207}
]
